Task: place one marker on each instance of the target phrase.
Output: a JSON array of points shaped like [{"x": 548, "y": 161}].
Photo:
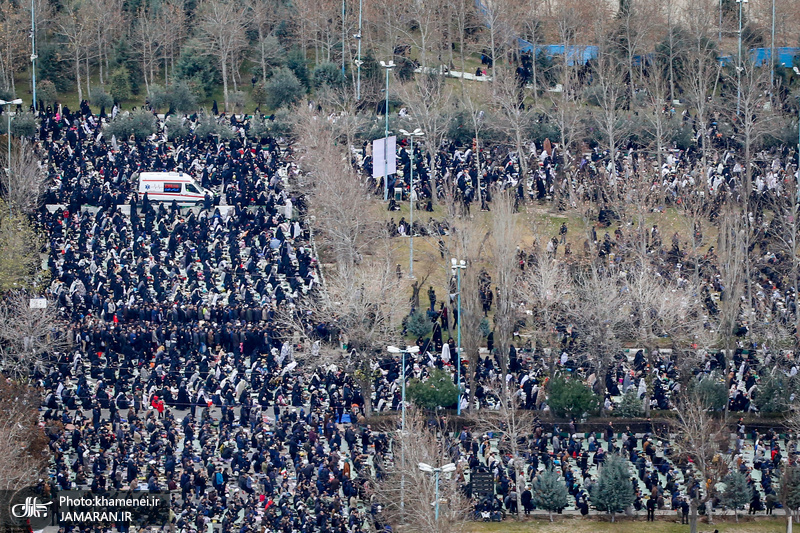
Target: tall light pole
[
  {"x": 428, "y": 469},
  {"x": 343, "y": 39},
  {"x": 416, "y": 133},
  {"x": 409, "y": 349},
  {"x": 456, "y": 267},
  {"x": 388, "y": 66},
  {"x": 33, "y": 55},
  {"x": 772, "y": 54},
  {"x": 18, "y": 101},
  {"x": 358, "y": 61},
  {"x": 739, "y": 62}
]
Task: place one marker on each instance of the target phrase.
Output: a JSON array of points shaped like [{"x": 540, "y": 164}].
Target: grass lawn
[
  {"x": 536, "y": 220},
  {"x": 575, "y": 525}
]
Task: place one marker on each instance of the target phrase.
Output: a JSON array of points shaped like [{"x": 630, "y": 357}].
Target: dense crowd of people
[{"x": 179, "y": 377}]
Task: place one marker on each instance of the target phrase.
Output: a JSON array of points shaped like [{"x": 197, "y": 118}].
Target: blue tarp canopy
[
  {"x": 575, "y": 55},
  {"x": 785, "y": 55}
]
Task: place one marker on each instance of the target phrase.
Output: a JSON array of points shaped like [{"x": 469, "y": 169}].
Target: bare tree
[
  {"x": 338, "y": 197},
  {"x": 703, "y": 440},
  {"x": 24, "y": 186},
  {"x": 657, "y": 93},
  {"x": 659, "y": 308},
  {"x": 700, "y": 68},
  {"x": 545, "y": 287},
  {"x": 609, "y": 90},
  {"x": 13, "y": 42},
  {"x": 514, "y": 424},
  {"x": 753, "y": 122},
  {"x": 265, "y": 14},
  {"x": 595, "y": 311},
  {"x": 222, "y": 26},
  {"x": 363, "y": 297},
  {"x": 172, "y": 30},
  {"x": 20, "y": 242},
  {"x": 467, "y": 242},
  {"x": 23, "y": 444},
  {"x": 27, "y": 335},
  {"x": 515, "y": 118},
  {"x": 506, "y": 235},
  {"x": 430, "y": 102},
  {"x": 75, "y": 24},
  {"x": 786, "y": 233},
  {"x": 146, "y": 40},
  {"x": 732, "y": 256},
  {"x": 424, "y": 444}
]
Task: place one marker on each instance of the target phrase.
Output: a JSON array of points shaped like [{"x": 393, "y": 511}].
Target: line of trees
[{"x": 111, "y": 45}]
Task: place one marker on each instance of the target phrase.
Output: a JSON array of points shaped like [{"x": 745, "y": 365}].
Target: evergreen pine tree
[
  {"x": 737, "y": 492},
  {"x": 790, "y": 490},
  {"x": 549, "y": 492},
  {"x": 613, "y": 491}
]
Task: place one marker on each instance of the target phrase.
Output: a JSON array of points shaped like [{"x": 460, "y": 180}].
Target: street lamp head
[
  {"x": 390, "y": 64},
  {"x": 18, "y": 101},
  {"x": 449, "y": 467},
  {"x": 393, "y": 349},
  {"x": 404, "y": 132},
  {"x": 413, "y": 349},
  {"x": 425, "y": 468}
]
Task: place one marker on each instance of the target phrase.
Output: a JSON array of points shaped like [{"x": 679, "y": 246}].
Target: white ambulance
[{"x": 169, "y": 186}]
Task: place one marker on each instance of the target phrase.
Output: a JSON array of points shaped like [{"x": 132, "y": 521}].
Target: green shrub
[
  {"x": 197, "y": 68},
  {"x": 259, "y": 94},
  {"x": 437, "y": 391},
  {"x": 773, "y": 393},
  {"x": 282, "y": 123},
  {"x": 207, "y": 127},
  {"x": 328, "y": 74},
  {"x": 630, "y": 406},
  {"x": 177, "y": 128},
  {"x": 46, "y": 92},
  {"x": 613, "y": 492},
  {"x": 296, "y": 62},
  {"x": 680, "y": 133},
  {"x": 711, "y": 390},
  {"x": 157, "y": 97},
  {"x": 121, "y": 84},
  {"x": 258, "y": 129},
  {"x": 283, "y": 89},
  {"x": 139, "y": 124},
  {"x": 181, "y": 98},
  {"x": 23, "y": 125},
  {"x": 737, "y": 492},
  {"x": 100, "y": 98},
  {"x": 570, "y": 397},
  {"x": 485, "y": 328},
  {"x": 418, "y": 324},
  {"x": 549, "y": 492}
]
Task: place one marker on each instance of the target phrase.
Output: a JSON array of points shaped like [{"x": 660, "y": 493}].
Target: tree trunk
[
  {"x": 263, "y": 55},
  {"x": 78, "y": 72},
  {"x": 225, "y": 80},
  {"x": 693, "y": 516}
]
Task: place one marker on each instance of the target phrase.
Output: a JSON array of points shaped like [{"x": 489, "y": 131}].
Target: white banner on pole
[{"x": 378, "y": 163}]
